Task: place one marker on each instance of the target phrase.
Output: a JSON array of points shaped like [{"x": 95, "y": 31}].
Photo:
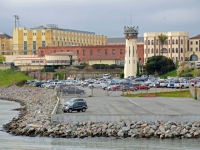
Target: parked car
[
  {"x": 139, "y": 86},
  {"x": 181, "y": 84},
  {"x": 128, "y": 88},
  {"x": 94, "y": 85},
  {"x": 75, "y": 106},
  {"x": 116, "y": 88},
  {"x": 72, "y": 90},
  {"x": 75, "y": 100}
]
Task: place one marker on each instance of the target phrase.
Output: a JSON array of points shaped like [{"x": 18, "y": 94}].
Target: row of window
[
  {"x": 34, "y": 34},
  {"x": 37, "y": 61},
  {"x": 165, "y": 50},
  {"x": 58, "y": 61},
  {"x": 166, "y": 42},
  {"x": 191, "y": 42},
  {"x": 90, "y": 52}
]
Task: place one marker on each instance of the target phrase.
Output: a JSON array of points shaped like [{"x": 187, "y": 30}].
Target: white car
[{"x": 95, "y": 85}]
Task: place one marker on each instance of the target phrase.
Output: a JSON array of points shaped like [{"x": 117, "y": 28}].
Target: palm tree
[{"x": 162, "y": 38}]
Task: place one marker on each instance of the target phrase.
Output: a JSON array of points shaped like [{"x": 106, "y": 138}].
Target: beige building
[
  {"x": 175, "y": 47},
  {"x": 193, "y": 52},
  {"x": 25, "y": 63},
  {"x": 26, "y": 41},
  {"x": 6, "y": 42},
  {"x": 107, "y": 61}
]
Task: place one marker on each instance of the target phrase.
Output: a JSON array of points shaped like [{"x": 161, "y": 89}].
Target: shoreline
[{"x": 35, "y": 120}]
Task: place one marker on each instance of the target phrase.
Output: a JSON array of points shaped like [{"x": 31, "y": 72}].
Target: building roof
[
  {"x": 196, "y": 37},
  {"x": 55, "y": 27},
  {"x": 5, "y": 36},
  {"x": 104, "y": 58},
  {"x": 122, "y": 40}
]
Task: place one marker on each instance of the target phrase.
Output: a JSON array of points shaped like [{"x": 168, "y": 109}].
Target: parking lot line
[
  {"x": 140, "y": 106},
  {"x": 180, "y": 99}
]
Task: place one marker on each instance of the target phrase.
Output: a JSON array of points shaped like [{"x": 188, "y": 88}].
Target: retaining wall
[{"x": 63, "y": 118}]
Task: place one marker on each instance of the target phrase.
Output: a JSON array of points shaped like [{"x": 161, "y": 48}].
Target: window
[
  {"x": 191, "y": 49},
  {"x": 113, "y": 52},
  {"x": 25, "y": 45},
  {"x": 196, "y": 48},
  {"x": 196, "y": 42},
  {"x": 152, "y": 50},
  {"x": 84, "y": 53},
  {"x": 106, "y": 52},
  {"x": 25, "y": 34},
  {"x": 151, "y": 42},
  {"x": 176, "y": 41},
  {"x": 54, "y": 51},
  {"x": 121, "y": 52},
  {"x": 172, "y": 50},
  {"x": 34, "y": 45},
  {"x": 169, "y": 50},
  {"x": 148, "y": 42},
  {"x": 176, "y": 50},
  {"x": 181, "y": 41},
  {"x": 77, "y": 52},
  {"x": 34, "y": 34},
  {"x": 176, "y": 58},
  {"x": 148, "y": 51},
  {"x": 91, "y": 52},
  {"x": 156, "y": 50},
  {"x": 191, "y": 42},
  {"x": 54, "y": 43},
  {"x": 181, "y": 58},
  {"x": 43, "y": 43},
  {"x": 99, "y": 52},
  {"x": 58, "y": 43},
  {"x": 173, "y": 41},
  {"x": 181, "y": 50}
]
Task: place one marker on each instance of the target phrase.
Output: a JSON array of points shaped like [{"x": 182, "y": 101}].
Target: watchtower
[{"x": 131, "y": 57}]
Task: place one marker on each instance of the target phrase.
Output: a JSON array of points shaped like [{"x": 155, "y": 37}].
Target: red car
[
  {"x": 115, "y": 88},
  {"x": 140, "y": 86}
]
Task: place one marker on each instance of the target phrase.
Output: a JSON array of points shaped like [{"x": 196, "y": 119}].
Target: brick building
[{"x": 86, "y": 53}]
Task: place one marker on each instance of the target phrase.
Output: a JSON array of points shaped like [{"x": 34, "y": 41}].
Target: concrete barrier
[
  {"x": 55, "y": 109},
  {"x": 63, "y": 118}
]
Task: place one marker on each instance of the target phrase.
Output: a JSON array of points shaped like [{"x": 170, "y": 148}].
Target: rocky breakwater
[{"x": 37, "y": 105}]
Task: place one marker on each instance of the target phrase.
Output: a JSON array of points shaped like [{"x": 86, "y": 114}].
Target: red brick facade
[{"x": 85, "y": 53}]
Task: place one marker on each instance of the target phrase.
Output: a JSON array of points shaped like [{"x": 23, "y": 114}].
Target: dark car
[
  {"x": 128, "y": 88},
  {"x": 139, "y": 86},
  {"x": 72, "y": 90},
  {"x": 74, "y": 100},
  {"x": 75, "y": 106},
  {"x": 38, "y": 84}
]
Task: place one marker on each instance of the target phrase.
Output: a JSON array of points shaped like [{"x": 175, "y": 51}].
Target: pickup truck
[{"x": 182, "y": 84}]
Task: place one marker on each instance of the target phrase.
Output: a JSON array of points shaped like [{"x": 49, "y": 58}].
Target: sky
[{"x": 104, "y": 17}]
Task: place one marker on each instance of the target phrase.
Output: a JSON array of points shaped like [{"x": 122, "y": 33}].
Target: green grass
[
  {"x": 181, "y": 93},
  {"x": 10, "y": 76},
  {"x": 171, "y": 73}
]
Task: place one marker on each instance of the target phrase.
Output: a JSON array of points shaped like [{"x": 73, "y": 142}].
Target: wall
[{"x": 62, "y": 118}]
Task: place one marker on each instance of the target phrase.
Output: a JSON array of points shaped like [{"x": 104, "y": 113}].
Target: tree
[
  {"x": 184, "y": 70},
  {"x": 162, "y": 38},
  {"x": 122, "y": 74},
  {"x": 2, "y": 58},
  {"x": 138, "y": 70},
  {"x": 159, "y": 64}
]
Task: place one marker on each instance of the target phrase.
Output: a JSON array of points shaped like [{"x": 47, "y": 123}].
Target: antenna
[
  {"x": 17, "y": 23},
  {"x": 131, "y": 19}
]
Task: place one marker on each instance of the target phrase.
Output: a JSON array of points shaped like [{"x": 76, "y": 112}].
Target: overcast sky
[{"x": 104, "y": 17}]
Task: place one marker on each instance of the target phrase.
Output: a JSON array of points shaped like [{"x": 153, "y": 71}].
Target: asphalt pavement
[{"x": 100, "y": 103}]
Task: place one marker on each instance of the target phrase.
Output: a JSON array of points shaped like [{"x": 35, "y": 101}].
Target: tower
[{"x": 131, "y": 57}]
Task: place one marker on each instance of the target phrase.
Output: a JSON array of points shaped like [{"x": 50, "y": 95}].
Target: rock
[
  {"x": 126, "y": 129},
  {"x": 143, "y": 126},
  {"x": 161, "y": 128}
]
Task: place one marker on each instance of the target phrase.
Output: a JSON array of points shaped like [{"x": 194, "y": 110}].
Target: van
[{"x": 106, "y": 76}]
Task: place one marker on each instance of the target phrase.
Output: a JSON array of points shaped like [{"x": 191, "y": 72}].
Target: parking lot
[{"x": 115, "y": 104}]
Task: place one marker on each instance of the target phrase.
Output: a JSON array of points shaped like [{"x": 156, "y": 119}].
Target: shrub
[{"x": 21, "y": 82}]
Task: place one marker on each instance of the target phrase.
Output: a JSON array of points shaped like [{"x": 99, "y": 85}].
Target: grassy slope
[
  {"x": 9, "y": 76},
  {"x": 171, "y": 73},
  {"x": 181, "y": 93}
]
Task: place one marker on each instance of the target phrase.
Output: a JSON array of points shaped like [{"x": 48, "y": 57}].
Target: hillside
[{"x": 10, "y": 76}]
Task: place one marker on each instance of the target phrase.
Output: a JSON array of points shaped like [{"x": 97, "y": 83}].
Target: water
[{"x": 10, "y": 142}]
